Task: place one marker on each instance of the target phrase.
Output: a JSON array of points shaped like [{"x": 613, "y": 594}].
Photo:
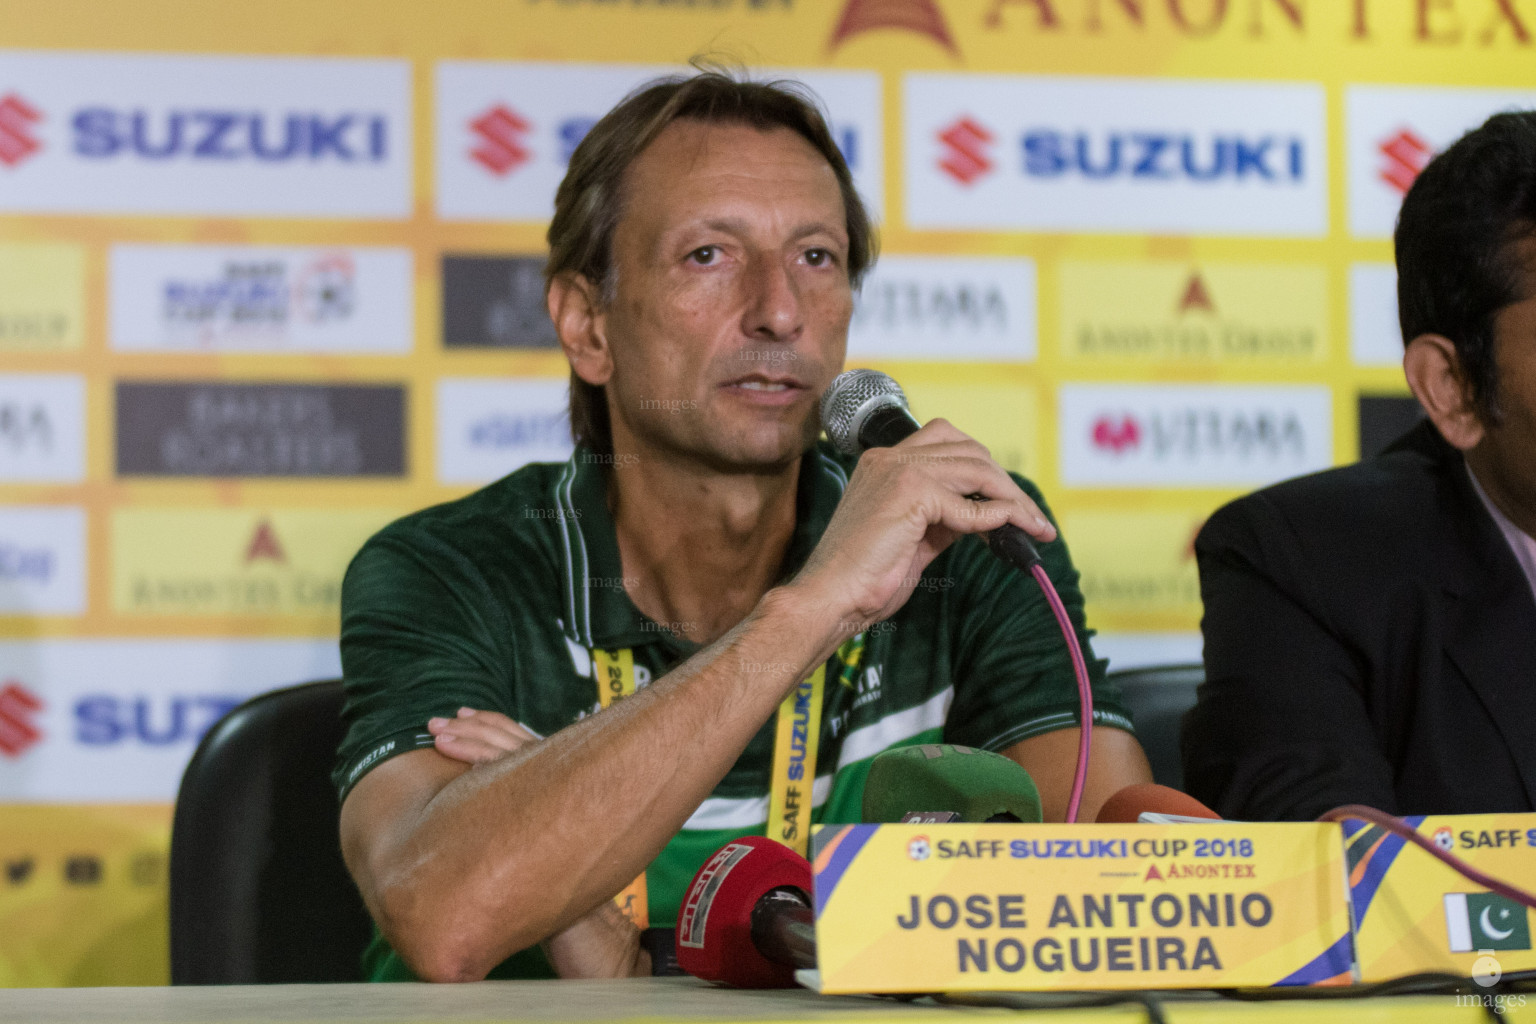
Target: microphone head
[
  {"x": 974, "y": 784},
  {"x": 850, "y": 399},
  {"x": 714, "y": 923},
  {"x": 1126, "y": 806}
]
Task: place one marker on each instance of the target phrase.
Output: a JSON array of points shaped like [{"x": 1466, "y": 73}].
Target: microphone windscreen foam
[
  {"x": 714, "y": 923},
  {"x": 975, "y": 784},
  {"x": 1127, "y": 805}
]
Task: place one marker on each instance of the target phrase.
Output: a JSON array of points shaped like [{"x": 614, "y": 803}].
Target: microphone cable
[
  {"x": 1084, "y": 691},
  {"x": 1401, "y": 829}
]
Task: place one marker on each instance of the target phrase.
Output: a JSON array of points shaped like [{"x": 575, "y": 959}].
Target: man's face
[
  {"x": 1505, "y": 458},
  {"x": 730, "y": 315}
]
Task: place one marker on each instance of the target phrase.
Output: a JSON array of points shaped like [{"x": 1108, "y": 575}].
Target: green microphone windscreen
[{"x": 974, "y": 784}]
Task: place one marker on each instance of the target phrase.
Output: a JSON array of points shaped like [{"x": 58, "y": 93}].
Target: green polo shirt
[{"x": 497, "y": 600}]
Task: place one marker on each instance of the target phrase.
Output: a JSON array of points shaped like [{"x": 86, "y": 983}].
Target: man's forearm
[{"x": 511, "y": 852}]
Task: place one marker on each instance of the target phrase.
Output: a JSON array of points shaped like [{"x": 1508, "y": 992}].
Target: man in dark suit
[{"x": 1370, "y": 632}]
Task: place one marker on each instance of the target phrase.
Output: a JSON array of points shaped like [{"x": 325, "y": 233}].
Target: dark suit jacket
[{"x": 1369, "y": 638}]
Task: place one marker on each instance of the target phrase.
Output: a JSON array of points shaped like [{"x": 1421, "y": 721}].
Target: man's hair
[
  {"x": 1458, "y": 244},
  {"x": 590, "y": 199}
]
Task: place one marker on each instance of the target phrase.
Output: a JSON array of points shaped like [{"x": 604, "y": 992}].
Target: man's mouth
[{"x": 761, "y": 383}]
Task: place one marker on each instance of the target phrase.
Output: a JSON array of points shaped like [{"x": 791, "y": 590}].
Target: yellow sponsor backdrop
[
  {"x": 54, "y": 315},
  {"x": 42, "y": 297},
  {"x": 1195, "y": 315},
  {"x": 83, "y": 895},
  {"x": 234, "y": 562}
]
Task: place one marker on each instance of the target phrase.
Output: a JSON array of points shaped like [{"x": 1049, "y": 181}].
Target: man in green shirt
[{"x": 701, "y": 550}]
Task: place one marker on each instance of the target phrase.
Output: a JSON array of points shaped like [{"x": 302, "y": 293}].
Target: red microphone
[
  {"x": 746, "y": 919},
  {"x": 1127, "y": 806}
]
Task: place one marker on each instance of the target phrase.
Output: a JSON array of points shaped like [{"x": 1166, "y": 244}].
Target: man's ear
[
  {"x": 1436, "y": 377},
  {"x": 581, "y": 326}
]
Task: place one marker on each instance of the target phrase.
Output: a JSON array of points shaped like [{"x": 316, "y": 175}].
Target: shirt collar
[
  {"x": 1521, "y": 544},
  {"x": 597, "y": 610}
]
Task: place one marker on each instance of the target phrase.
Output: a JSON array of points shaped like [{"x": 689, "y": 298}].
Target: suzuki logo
[
  {"x": 965, "y": 159},
  {"x": 1406, "y": 154},
  {"x": 501, "y": 132},
  {"x": 17, "y": 706},
  {"x": 1116, "y": 436},
  {"x": 16, "y": 118}
]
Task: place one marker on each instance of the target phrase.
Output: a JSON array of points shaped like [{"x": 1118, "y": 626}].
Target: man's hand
[
  {"x": 903, "y": 506},
  {"x": 477, "y": 737},
  {"x": 604, "y": 944}
]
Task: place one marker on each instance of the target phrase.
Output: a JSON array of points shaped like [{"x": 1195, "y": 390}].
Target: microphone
[
  {"x": 1165, "y": 804},
  {"x": 864, "y": 409},
  {"x": 939, "y": 782},
  {"x": 746, "y": 919}
]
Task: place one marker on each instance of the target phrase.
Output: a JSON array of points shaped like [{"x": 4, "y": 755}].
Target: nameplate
[
  {"x": 1413, "y": 913},
  {"x": 954, "y": 907}
]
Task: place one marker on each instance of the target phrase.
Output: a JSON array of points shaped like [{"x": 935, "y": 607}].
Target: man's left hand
[{"x": 604, "y": 943}]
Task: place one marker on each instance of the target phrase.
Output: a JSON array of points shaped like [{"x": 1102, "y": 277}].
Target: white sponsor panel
[
  {"x": 1192, "y": 435},
  {"x": 241, "y": 136},
  {"x": 260, "y": 299},
  {"x": 946, "y": 308},
  {"x": 1148, "y": 650},
  {"x": 1375, "y": 337},
  {"x": 42, "y": 560},
  {"x": 1393, "y": 131},
  {"x": 505, "y": 131},
  {"x": 989, "y": 152},
  {"x": 486, "y": 428},
  {"x": 92, "y": 721},
  {"x": 42, "y": 428}
]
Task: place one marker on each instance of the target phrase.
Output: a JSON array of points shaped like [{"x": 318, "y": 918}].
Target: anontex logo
[
  {"x": 102, "y": 133},
  {"x": 17, "y": 120}
]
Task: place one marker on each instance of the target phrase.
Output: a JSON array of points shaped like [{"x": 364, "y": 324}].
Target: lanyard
[
  {"x": 615, "y": 672},
  {"x": 796, "y": 737}
]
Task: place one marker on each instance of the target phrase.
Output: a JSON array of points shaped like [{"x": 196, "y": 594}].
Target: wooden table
[{"x": 639, "y": 1001}]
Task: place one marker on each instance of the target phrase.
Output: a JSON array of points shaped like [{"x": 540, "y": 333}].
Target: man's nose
[{"x": 773, "y": 304}]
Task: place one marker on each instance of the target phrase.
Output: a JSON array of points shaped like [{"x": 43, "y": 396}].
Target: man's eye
[
  {"x": 819, "y": 257},
  {"x": 704, "y": 254}
]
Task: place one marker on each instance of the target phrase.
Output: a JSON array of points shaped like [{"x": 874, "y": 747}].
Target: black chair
[
  {"x": 259, "y": 892},
  {"x": 1158, "y": 697}
]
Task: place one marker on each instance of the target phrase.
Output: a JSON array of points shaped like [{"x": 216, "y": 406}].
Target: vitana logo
[{"x": 1193, "y": 431}]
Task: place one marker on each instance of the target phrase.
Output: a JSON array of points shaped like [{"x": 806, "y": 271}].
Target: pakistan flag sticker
[{"x": 1485, "y": 920}]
